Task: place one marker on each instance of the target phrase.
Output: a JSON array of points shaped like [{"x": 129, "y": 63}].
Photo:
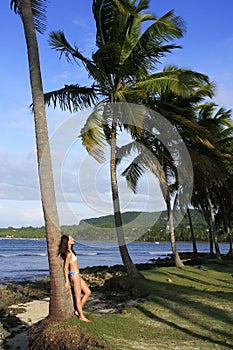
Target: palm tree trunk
[
  {"x": 60, "y": 305},
  {"x": 211, "y": 242},
  {"x": 131, "y": 269},
  {"x": 230, "y": 252},
  {"x": 177, "y": 260},
  {"x": 212, "y": 226},
  {"x": 166, "y": 195},
  {"x": 207, "y": 218},
  {"x": 192, "y": 233},
  {"x": 227, "y": 229}
]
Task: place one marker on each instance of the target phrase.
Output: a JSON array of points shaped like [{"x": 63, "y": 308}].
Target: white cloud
[
  {"x": 224, "y": 97},
  {"x": 82, "y": 184},
  {"x": 18, "y": 177},
  {"x": 16, "y": 213}
]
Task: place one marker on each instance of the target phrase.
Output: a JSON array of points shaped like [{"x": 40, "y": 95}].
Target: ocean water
[{"x": 26, "y": 259}]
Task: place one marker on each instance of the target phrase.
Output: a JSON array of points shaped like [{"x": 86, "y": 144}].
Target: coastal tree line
[
  {"x": 102, "y": 228},
  {"x": 124, "y": 69}
]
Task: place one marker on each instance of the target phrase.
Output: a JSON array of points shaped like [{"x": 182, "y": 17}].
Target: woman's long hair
[{"x": 63, "y": 248}]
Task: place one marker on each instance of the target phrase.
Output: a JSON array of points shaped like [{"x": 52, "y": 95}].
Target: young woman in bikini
[{"x": 72, "y": 276}]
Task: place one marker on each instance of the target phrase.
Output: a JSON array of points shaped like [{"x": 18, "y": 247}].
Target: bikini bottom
[{"x": 72, "y": 273}]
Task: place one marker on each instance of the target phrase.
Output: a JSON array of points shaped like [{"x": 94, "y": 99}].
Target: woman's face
[{"x": 70, "y": 241}]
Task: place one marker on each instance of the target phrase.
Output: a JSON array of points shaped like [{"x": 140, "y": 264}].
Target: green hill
[
  {"x": 145, "y": 226},
  {"x": 130, "y": 218}
]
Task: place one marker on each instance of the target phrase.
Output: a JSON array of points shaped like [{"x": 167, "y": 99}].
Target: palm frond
[
  {"x": 108, "y": 15},
  {"x": 165, "y": 28},
  {"x": 209, "y": 165},
  {"x": 130, "y": 95},
  {"x": 144, "y": 51},
  {"x": 132, "y": 117},
  {"x": 93, "y": 136},
  {"x": 72, "y": 98},
  {"x": 205, "y": 90},
  {"x": 59, "y": 43},
  {"x": 142, "y": 5},
  {"x": 125, "y": 150},
  {"x": 143, "y": 161},
  {"x": 133, "y": 173},
  {"x": 38, "y": 11},
  {"x": 125, "y": 7},
  {"x": 180, "y": 82}
]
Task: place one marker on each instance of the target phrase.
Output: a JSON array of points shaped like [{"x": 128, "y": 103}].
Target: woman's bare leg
[
  {"x": 86, "y": 290},
  {"x": 76, "y": 281}
]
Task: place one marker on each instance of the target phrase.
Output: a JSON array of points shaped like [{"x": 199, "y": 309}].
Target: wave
[
  {"x": 89, "y": 254},
  {"x": 21, "y": 254}
]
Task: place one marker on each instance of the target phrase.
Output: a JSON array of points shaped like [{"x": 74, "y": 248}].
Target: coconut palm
[
  {"x": 155, "y": 156},
  {"x": 32, "y": 15},
  {"x": 122, "y": 70},
  {"x": 193, "y": 238},
  {"x": 212, "y": 166},
  {"x": 210, "y": 149},
  {"x": 161, "y": 163},
  {"x": 181, "y": 113}
]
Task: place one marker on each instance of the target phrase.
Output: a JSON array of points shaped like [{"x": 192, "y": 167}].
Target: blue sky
[{"x": 207, "y": 48}]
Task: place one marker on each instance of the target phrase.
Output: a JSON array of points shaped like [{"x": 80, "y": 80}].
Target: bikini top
[{"x": 73, "y": 258}]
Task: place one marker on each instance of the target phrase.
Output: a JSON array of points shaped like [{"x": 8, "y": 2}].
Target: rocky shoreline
[
  {"x": 14, "y": 296},
  {"x": 105, "y": 298}
]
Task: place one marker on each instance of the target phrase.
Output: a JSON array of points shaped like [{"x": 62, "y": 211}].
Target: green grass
[{"x": 192, "y": 311}]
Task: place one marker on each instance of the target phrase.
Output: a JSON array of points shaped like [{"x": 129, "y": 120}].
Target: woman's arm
[{"x": 66, "y": 271}]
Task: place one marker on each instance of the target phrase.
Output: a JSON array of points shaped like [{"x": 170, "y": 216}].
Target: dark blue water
[{"x": 26, "y": 259}]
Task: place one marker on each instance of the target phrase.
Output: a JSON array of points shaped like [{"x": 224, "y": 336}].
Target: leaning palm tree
[
  {"x": 224, "y": 215},
  {"x": 122, "y": 71},
  {"x": 32, "y": 15},
  {"x": 154, "y": 155},
  {"x": 211, "y": 165},
  {"x": 181, "y": 113}
]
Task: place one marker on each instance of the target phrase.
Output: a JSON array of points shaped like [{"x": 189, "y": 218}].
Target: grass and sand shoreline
[{"x": 188, "y": 308}]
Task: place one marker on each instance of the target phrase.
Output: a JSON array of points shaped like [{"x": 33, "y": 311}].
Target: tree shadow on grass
[
  {"x": 202, "y": 281},
  {"x": 201, "y": 308},
  {"x": 182, "y": 329},
  {"x": 183, "y": 307},
  {"x": 218, "y": 265}
]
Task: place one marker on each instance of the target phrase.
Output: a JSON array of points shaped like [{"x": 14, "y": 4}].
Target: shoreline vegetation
[
  {"x": 192, "y": 304},
  {"x": 138, "y": 226}
]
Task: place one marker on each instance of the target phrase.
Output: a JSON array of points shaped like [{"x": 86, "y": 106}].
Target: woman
[{"x": 71, "y": 273}]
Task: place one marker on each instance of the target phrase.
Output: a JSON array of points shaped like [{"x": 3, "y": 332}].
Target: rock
[{"x": 116, "y": 283}]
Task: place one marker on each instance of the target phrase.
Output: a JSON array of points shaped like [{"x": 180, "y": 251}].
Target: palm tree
[
  {"x": 224, "y": 216},
  {"x": 220, "y": 123},
  {"x": 122, "y": 69},
  {"x": 180, "y": 111},
  {"x": 193, "y": 238},
  {"x": 32, "y": 15},
  {"x": 154, "y": 155},
  {"x": 211, "y": 165}
]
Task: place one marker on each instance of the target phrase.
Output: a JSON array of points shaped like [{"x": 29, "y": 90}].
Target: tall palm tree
[
  {"x": 180, "y": 111},
  {"x": 32, "y": 15},
  {"x": 224, "y": 216},
  {"x": 122, "y": 69},
  {"x": 211, "y": 166},
  {"x": 155, "y": 156},
  {"x": 193, "y": 238}
]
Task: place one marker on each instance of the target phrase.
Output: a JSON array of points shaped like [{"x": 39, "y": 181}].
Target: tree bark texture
[{"x": 60, "y": 305}]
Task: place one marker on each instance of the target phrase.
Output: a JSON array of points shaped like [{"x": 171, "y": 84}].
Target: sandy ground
[{"x": 32, "y": 312}]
